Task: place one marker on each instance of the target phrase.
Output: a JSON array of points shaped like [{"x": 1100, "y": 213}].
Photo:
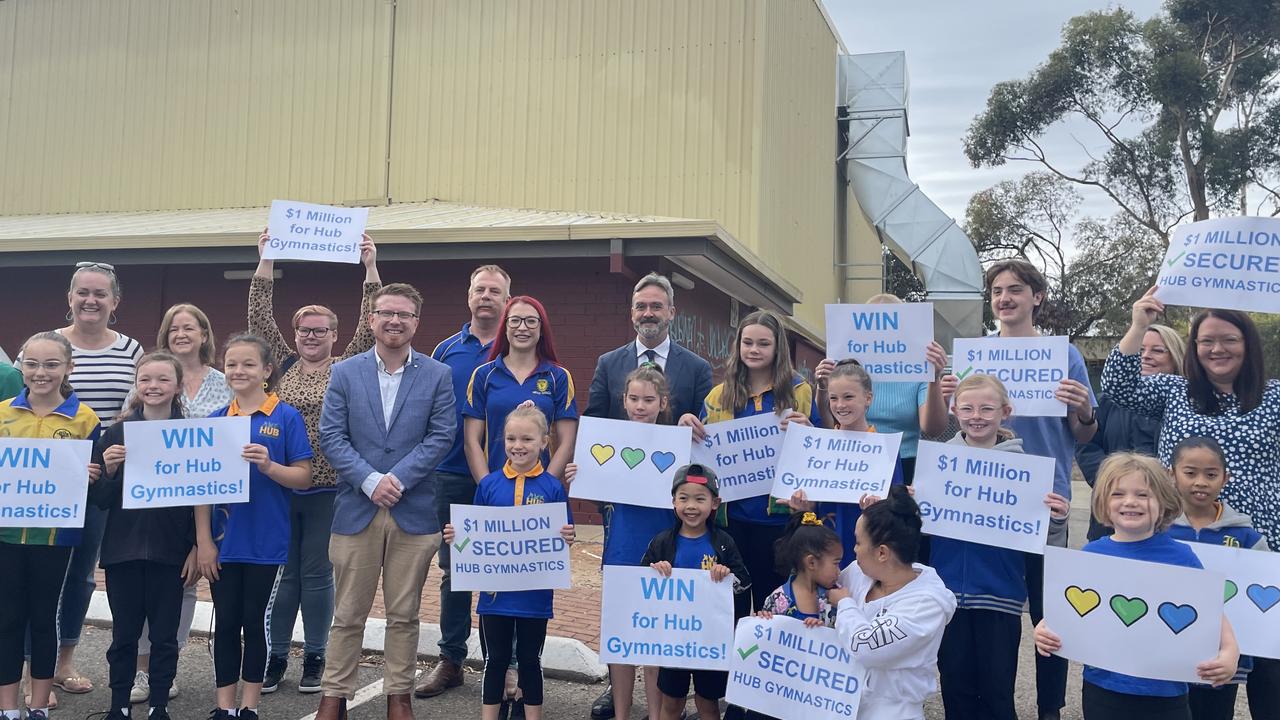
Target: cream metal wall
[
  {"x": 716, "y": 109},
  {"x": 156, "y": 104}
]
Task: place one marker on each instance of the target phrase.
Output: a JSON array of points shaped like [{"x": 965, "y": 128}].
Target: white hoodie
[{"x": 896, "y": 639}]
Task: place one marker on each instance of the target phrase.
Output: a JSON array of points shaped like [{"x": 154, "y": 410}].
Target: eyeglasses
[
  {"x": 1231, "y": 341},
  {"x": 50, "y": 365},
  {"x": 385, "y": 315},
  {"x": 531, "y": 321},
  {"x": 985, "y": 411},
  {"x": 96, "y": 266},
  {"x": 315, "y": 332}
]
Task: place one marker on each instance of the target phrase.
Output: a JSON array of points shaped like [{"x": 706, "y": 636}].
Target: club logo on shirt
[
  {"x": 542, "y": 386},
  {"x": 534, "y": 499},
  {"x": 1229, "y": 541},
  {"x": 62, "y": 434},
  {"x": 270, "y": 430},
  {"x": 708, "y": 562}
]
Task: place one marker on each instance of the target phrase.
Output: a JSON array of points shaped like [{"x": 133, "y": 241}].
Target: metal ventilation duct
[{"x": 873, "y": 99}]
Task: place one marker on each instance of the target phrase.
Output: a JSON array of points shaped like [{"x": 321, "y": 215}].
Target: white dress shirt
[
  {"x": 661, "y": 352},
  {"x": 388, "y": 388}
]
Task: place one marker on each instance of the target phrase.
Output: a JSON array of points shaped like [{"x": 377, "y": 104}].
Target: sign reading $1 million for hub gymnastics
[
  {"x": 509, "y": 548},
  {"x": 172, "y": 463},
  {"x": 835, "y": 465},
  {"x": 303, "y": 231},
  {"x": 783, "y": 669},
  {"x": 744, "y": 454}
]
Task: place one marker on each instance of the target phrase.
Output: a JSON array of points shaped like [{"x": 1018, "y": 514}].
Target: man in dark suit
[
  {"x": 388, "y": 421},
  {"x": 688, "y": 377}
]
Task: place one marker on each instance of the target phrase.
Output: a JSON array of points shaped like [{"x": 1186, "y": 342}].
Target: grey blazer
[{"x": 357, "y": 442}]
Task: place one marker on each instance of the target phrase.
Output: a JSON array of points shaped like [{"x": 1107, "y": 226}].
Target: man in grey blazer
[{"x": 388, "y": 420}]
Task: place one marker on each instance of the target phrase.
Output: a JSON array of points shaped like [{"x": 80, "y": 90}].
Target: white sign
[
  {"x": 172, "y": 463},
  {"x": 44, "y": 483},
  {"x": 682, "y": 621},
  {"x": 783, "y": 669},
  {"x": 835, "y": 465},
  {"x": 1029, "y": 367},
  {"x": 628, "y": 462},
  {"x": 889, "y": 339},
  {"x": 743, "y": 452},
  {"x": 985, "y": 496},
  {"x": 303, "y": 231},
  {"x": 509, "y": 548},
  {"x": 1144, "y": 619},
  {"x": 1231, "y": 263},
  {"x": 1252, "y": 597}
]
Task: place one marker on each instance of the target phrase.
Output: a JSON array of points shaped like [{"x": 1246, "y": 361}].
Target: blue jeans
[
  {"x": 455, "y": 607},
  {"x": 78, "y": 586},
  {"x": 307, "y": 581}
]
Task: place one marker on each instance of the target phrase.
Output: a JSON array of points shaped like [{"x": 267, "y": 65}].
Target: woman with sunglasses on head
[
  {"x": 1222, "y": 393},
  {"x": 105, "y": 361},
  {"x": 307, "y": 581}
]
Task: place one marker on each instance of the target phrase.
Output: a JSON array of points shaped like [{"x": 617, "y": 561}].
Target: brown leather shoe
[
  {"x": 332, "y": 708},
  {"x": 399, "y": 707},
  {"x": 446, "y": 674}
]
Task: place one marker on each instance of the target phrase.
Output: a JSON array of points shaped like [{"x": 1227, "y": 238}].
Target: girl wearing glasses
[
  {"x": 307, "y": 581},
  {"x": 105, "y": 362},
  {"x": 522, "y": 368},
  {"x": 989, "y": 582},
  {"x": 1223, "y": 393},
  {"x": 33, "y": 560}
]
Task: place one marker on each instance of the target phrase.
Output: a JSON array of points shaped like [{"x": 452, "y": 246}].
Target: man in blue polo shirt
[{"x": 463, "y": 352}]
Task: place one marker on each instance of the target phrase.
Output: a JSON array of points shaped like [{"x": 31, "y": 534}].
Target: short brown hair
[
  {"x": 1116, "y": 466},
  {"x": 1024, "y": 271},
  {"x": 208, "y": 348},
  {"x": 404, "y": 290}
]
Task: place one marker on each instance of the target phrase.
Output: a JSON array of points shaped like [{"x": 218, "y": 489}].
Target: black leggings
[
  {"x": 242, "y": 599},
  {"x": 1263, "y": 688},
  {"x": 1102, "y": 704},
  {"x": 496, "y": 635},
  {"x": 33, "y": 576},
  {"x": 143, "y": 592},
  {"x": 1213, "y": 703},
  {"x": 756, "y": 545}
]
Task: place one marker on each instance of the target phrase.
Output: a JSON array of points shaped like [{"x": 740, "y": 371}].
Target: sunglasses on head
[{"x": 96, "y": 266}]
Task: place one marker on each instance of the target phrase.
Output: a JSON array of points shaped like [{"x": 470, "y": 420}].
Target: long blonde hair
[
  {"x": 979, "y": 381},
  {"x": 736, "y": 387}
]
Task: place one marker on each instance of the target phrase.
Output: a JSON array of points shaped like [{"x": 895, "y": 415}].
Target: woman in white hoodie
[{"x": 891, "y": 612}]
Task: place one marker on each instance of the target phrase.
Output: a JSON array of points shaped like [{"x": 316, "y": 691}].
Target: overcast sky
[{"x": 956, "y": 51}]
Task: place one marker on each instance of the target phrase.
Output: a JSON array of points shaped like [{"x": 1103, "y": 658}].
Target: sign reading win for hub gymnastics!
[
  {"x": 743, "y": 452},
  {"x": 509, "y": 548},
  {"x": 171, "y": 463},
  {"x": 303, "y": 231},
  {"x": 889, "y": 340},
  {"x": 1029, "y": 367},
  {"x": 43, "y": 483},
  {"x": 985, "y": 496},
  {"x": 783, "y": 669},
  {"x": 835, "y": 465},
  {"x": 628, "y": 462},
  {"x": 682, "y": 621},
  {"x": 1230, "y": 263}
]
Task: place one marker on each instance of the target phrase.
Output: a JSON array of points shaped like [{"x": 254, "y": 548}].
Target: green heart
[
  {"x": 632, "y": 457},
  {"x": 1231, "y": 591},
  {"x": 1129, "y": 610}
]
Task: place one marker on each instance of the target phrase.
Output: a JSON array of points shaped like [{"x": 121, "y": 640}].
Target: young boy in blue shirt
[{"x": 695, "y": 543}]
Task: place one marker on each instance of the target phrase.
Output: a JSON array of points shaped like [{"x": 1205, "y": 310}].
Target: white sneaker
[
  {"x": 173, "y": 689},
  {"x": 141, "y": 688}
]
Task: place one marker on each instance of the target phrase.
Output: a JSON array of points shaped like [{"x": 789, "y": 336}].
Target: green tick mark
[
  {"x": 1174, "y": 261},
  {"x": 460, "y": 546},
  {"x": 965, "y": 372},
  {"x": 744, "y": 654}
]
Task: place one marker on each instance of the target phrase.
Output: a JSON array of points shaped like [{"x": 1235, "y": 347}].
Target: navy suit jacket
[
  {"x": 358, "y": 442},
  {"x": 688, "y": 377}
]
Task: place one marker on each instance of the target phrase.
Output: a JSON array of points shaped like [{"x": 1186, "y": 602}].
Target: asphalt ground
[{"x": 564, "y": 699}]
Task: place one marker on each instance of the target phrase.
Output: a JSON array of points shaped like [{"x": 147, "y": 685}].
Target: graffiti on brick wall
[{"x": 711, "y": 340}]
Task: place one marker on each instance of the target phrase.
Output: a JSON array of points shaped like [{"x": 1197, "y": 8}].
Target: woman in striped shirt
[{"x": 105, "y": 363}]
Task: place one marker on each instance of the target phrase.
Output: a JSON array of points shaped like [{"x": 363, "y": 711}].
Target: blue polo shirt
[
  {"x": 463, "y": 353},
  {"x": 509, "y": 488},
  {"x": 1159, "y": 548},
  {"x": 695, "y": 553},
  {"x": 257, "y": 532},
  {"x": 493, "y": 393}
]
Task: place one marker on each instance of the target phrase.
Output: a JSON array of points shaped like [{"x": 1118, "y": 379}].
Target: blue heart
[
  {"x": 662, "y": 460},
  {"x": 1264, "y": 596},
  {"x": 1177, "y": 617}
]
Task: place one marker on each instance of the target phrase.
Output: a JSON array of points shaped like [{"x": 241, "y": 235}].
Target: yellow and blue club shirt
[{"x": 494, "y": 392}]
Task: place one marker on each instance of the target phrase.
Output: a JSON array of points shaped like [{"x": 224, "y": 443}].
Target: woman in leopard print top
[{"x": 307, "y": 581}]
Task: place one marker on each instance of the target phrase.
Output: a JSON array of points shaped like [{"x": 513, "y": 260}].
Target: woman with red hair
[{"x": 522, "y": 368}]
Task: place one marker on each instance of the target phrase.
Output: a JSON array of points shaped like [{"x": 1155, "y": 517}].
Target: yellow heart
[
  {"x": 1084, "y": 601},
  {"x": 601, "y": 453}
]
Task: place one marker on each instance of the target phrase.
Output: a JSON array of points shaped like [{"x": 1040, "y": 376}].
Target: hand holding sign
[
  {"x": 890, "y": 340},
  {"x": 303, "y": 231},
  {"x": 628, "y": 462}
]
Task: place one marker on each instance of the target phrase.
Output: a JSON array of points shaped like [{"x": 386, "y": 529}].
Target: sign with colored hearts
[
  {"x": 1144, "y": 619},
  {"x": 628, "y": 462},
  {"x": 1252, "y": 596}
]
